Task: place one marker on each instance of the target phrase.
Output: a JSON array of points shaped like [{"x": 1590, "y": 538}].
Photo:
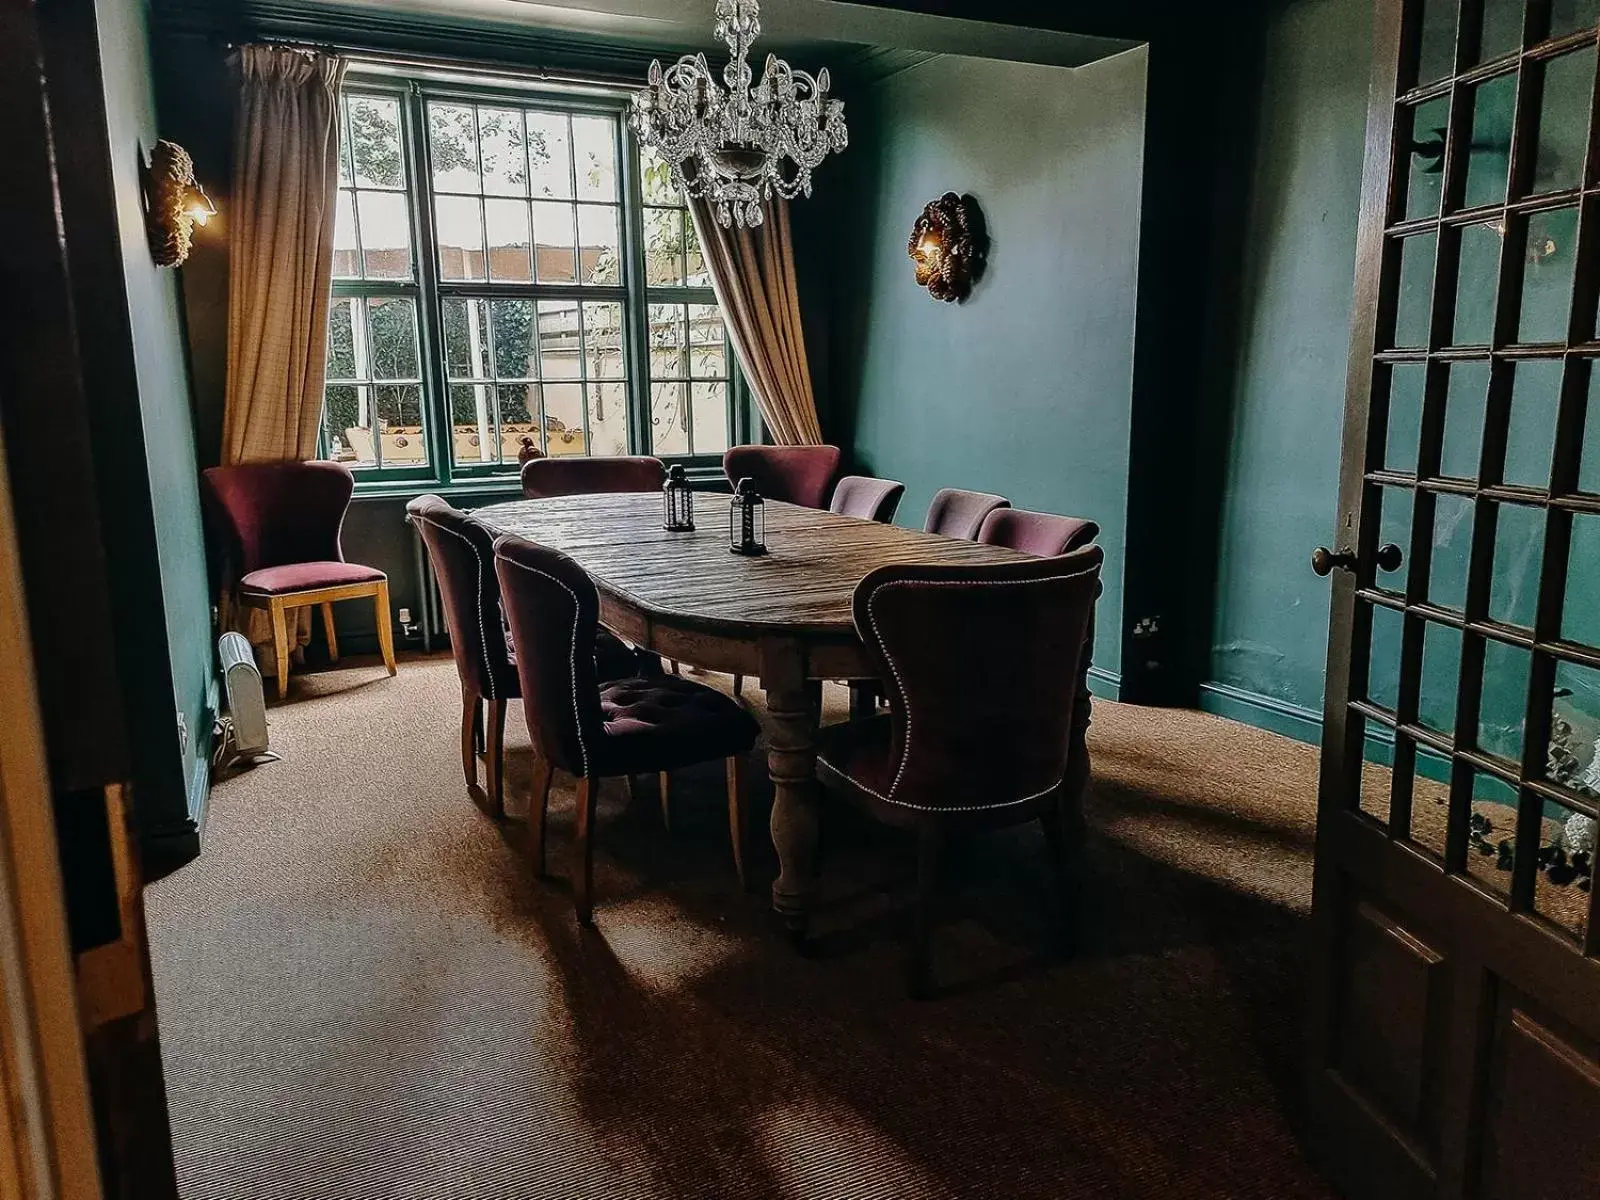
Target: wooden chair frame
[{"x": 279, "y": 606}]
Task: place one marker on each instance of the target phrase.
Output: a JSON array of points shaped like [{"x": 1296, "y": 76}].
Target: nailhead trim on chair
[
  {"x": 572, "y": 653},
  {"x": 906, "y": 751},
  {"x": 483, "y": 632}
]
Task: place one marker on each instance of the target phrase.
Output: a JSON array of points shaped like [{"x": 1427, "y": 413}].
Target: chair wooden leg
[
  {"x": 328, "y": 631},
  {"x": 863, "y": 699},
  {"x": 583, "y": 875},
  {"x": 1064, "y": 881},
  {"x": 736, "y": 813},
  {"x": 919, "y": 974},
  {"x": 469, "y": 736},
  {"x": 676, "y": 670},
  {"x": 494, "y": 755},
  {"x": 664, "y": 783},
  {"x": 385, "y": 626},
  {"x": 538, "y": 809},
  {"x": 738, "y": 686},
  {"x": 280, "y": 645}
]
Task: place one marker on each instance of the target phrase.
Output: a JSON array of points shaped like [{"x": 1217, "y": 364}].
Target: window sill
[{"x": 705, "y": 478}]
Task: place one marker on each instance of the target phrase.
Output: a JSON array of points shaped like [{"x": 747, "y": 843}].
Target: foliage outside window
[{"x": 559, "y": 294}]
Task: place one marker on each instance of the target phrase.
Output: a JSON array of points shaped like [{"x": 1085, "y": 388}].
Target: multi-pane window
[{"x": 556, "y": 295}]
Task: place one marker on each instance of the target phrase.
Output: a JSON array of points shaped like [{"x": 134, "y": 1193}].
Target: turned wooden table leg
[{"x": 792, "y": 762}]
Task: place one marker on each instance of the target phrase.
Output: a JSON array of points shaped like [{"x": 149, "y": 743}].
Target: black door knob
[
  {"x": 1390, "y": 557},
  {"x": 1323, "y": 560}
]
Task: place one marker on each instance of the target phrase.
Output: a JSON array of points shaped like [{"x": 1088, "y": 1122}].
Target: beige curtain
[
  {"x": 753, "y": 274},
  {"x": 280, "y": 251},
  {"x": 280, "y": 264}
]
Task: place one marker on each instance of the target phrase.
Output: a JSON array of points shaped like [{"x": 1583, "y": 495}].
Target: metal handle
[
  {"x": 1323, "y": 560},
  {"x": 1390, "y": 557}
]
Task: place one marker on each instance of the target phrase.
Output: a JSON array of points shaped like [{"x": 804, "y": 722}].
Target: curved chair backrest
[
  {"x": 960, "y": 514},
  {"x": 275, "y": 514},
  {"x": 576, "y": 475},
  {"x": 553, "y": 610},
  {"x": 867, "y": 498},
  {"x": 1044, "y": 534},
  {"x": 800, "y": 475},
  {"x": 984, "y": 720},
  {"x": 462, "y": 553}
]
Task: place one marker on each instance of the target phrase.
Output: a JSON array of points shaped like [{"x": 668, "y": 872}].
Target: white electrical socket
[{"x": 405, "y": 616}]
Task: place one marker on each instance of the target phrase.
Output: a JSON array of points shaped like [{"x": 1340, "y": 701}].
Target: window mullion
[
  {"x": 636, "y": 322},
  {"x": 437, "y": 425}
]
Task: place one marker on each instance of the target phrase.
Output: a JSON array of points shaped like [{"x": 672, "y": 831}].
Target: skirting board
[
  {"x": 1105, "y": 684},
  {"x": 1305, "y": 725}
]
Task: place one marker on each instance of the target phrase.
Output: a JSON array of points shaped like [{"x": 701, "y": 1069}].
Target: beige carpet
[{"x": 363, "y": 992}]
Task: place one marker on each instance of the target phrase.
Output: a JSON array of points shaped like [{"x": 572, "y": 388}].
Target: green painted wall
[
  {"x": 169, "y": 619},
  {"x": 1025, "y": 389}
]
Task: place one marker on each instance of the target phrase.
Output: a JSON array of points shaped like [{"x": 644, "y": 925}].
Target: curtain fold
[
  {"x": 280, "y": 251},
  {"x": 752, "y": 272},
  {"x": 280, "y": 216}
]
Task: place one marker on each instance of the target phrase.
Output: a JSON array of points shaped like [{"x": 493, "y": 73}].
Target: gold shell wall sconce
[
  {"x": 949, "y": 247},
  {"x": 174, "y": 203}
]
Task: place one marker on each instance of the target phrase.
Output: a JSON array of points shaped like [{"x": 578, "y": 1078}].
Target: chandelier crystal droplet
[{"x": 736, "y": 147}]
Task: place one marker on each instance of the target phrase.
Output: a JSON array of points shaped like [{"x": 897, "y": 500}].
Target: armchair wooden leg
[
  {"x": 664, "y": 784},
  {"x": 583, "y": 876},
  {"x": 494, "y": 755},
  {"x": 736, "y": 813},
  {"x": 469, "y": 736},
  {"x": 280, "y": 646},
  {"x": 919, "y": 974},
  {"x": 1064, "y": 880},
  {"x": 538, "y": 808},
  {"x": 328, "y": 631},
  {"x": 385, "y": 626}
]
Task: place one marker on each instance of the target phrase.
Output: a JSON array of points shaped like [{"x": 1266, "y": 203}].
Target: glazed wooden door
[{"x": 1455, "y": 1041}]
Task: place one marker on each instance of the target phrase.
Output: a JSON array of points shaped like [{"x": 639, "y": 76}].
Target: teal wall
[
  {"x": 167, "y": 620},
  {"x": 1024, "y": 389}
]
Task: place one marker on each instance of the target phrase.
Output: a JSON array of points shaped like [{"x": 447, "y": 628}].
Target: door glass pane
[
  {"x": 549, "y": 159},
  {"x": 1383, "y": 671},
  {"x": 1531, "y": 439},
  {"x": 1494, "y": 106},
  {"x": 509, "y": 241},
  {"x": 385, "y": 234},
  {"x": 1441, "y": 671},
  {"x": 460, "y": 237},
  {"x": 1566, "y": 868},
  {"x": 505, "y": 154},
  {"x": 1476, "y": 284},
  {"x": 1518, "y": 554},
  {"x": 1568, "y": 16},
  {"x": 1580, "y": 615},
  {"x": 1589, "y": 464},
  {"x": 1452, "y": 550},
  {"x": 599, "y": 245},
  {"x": 1502, "y": 29},
  {"x": 1564, "y": 121},
  {"x": 1547, "y": 279},
  {"x": 1466, "y": 401},
  {"x": 1377, "y": 788},
  {"x": 1430, "y": 802},
  {"x": 1397, "y": 508},
  {"x": 1502, "y": 714},
  {"x": 1436, "y": 52},
  {"x": 555, "y": 256},
  {"x": 1491, "y": 850},
  {"x": 1575, "y": 729},
  {"x": 1405, "y": 417},
  {"x": 453, "y": 143},
  {"x": 1416, "y": 290}
]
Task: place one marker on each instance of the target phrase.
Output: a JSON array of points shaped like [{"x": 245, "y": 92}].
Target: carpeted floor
[{"x": 363, "y": 992}]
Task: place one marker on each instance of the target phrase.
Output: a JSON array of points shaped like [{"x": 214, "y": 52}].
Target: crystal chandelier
[{"x": 738, "y": 139}]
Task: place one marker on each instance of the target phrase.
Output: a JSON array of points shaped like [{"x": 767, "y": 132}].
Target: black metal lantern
[
  {"x": 747, "y": 520},
  {"x": 677, "y": 502}
]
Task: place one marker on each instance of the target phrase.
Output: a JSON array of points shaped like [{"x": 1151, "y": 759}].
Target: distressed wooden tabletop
[{"x": 802, "y": 585}]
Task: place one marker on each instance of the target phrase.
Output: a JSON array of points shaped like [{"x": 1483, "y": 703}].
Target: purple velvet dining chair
[
  {"x": 960, "y": 514},
  {"x": 868, "y": 498},
  {"x": 800, "y": 475},
  {"x": 580, "y": 475},
  {"x": 983, "y": 730},
  {"x": 274, "y": 527},
  {"x": 461, "y": 552},
  {"x": 1044, "y": 534},
  {"x": 597, "y": 731}
]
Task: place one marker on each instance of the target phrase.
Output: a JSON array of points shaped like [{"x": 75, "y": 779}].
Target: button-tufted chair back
[
  {"x": 960, "y": 514},
  {"x": 983, "y": 720},
  {"x": 1044, "y": 534},
  {"x": 800, "y": 475},
  {"x": 275, "y": 514},
  {"x": 462, "y": 553},
  {"x": 553, "y": 611},
  {"x": 582, "y": 476}
]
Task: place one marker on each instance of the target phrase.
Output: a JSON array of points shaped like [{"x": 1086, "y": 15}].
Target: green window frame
[{"x": 509, "y": 265}]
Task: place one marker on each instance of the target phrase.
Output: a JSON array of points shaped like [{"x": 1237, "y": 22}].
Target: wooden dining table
[{"x": 783, "y": 617}]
